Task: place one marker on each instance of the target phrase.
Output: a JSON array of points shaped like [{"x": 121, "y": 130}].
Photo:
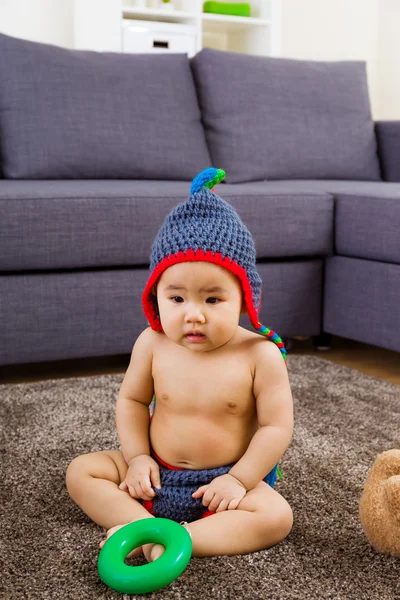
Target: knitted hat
[{"x": 206, "y": 228}]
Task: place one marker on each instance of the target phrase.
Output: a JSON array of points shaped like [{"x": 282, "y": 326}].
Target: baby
[{"x": 223, "y": 416}]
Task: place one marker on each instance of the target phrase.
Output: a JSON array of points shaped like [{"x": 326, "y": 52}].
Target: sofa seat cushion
[
  {"x": 367, "y": 216},
  {"x": 275, "y": 118},
  {"x": 71, "y": 114},
  {"x": 83, "y": 224},
  {"x": 368, "y": 227}
]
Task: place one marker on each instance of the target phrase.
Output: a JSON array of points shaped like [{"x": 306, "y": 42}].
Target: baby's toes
[
  {"x": 153, "y": 551},
  {"x": 157, "y": 551},
  {"x": 109, "y": 534}
]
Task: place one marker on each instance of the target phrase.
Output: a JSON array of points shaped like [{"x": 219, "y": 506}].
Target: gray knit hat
[{"x": 206, "y": 228}]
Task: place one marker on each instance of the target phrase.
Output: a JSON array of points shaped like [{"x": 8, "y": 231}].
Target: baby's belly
[{"x": 199, "y": 443}]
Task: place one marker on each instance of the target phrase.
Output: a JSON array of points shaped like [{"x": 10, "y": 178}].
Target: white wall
[
  {"x": 389, "y": 59},
  {"x": 334, "y": 30},
  {"x": 350, "y": 29},
  {"x": 311, "y": 29},
  {"x": 48, "y": 21}
]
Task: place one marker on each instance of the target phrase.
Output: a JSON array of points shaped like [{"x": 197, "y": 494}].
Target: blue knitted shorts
[{"x": 174, "y": 499}]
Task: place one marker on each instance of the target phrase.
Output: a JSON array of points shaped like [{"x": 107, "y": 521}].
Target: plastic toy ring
[{"x": 150, "y": 577}]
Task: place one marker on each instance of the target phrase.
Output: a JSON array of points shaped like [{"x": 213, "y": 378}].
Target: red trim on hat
[{"x": 196, "y": 256}]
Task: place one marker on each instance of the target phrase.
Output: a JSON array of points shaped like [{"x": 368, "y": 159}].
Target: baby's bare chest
[{"x": 206, "y": 387}]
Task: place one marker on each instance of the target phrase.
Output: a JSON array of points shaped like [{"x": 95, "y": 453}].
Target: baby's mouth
[{"x": 195, "y": 336}]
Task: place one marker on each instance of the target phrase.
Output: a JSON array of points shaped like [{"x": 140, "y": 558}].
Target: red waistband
[{"x": 164, "y": 464}]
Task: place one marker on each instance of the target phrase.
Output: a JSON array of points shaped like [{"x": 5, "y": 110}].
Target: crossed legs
[{"x": 262, "y": 519}]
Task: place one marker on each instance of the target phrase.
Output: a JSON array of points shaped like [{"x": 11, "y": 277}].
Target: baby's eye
[
  {"x": 177, "y": 299},
  {"x": 212, "y": 300}
]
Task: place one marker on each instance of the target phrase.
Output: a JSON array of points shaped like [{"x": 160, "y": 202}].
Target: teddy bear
[{"x": 380, "y": 503}]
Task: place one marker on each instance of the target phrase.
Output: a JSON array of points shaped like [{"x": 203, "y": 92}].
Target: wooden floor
[{"x": 368, "y": 359}]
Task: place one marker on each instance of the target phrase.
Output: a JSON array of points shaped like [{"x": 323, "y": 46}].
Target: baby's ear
[{"x": 243, "y": 310}]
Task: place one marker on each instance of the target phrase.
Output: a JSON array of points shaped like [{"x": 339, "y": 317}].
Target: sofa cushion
[
  {"x": 368, "y": 226},
  {"x": 81, "y": 224},
  {"x": 272, "y": 118},
  {"x": 77, "y": 114},
  {"x": 367, "y": 215}
]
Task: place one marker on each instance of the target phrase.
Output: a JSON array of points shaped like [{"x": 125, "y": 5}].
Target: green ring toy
[{"x": 150, "y": 577}]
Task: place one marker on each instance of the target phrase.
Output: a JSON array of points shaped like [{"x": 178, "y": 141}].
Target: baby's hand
[
  {"x": 143, "y": 471},
  {"x": 222, "y": 493}
]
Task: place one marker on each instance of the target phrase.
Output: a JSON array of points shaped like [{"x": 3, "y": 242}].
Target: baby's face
[{"x": 199, "y": 305}]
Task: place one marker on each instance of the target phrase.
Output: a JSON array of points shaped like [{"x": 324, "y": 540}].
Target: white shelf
[
  {"x": 229, "y": 24},
  {"x": 153, "y": 14},
  {"x": 98, "y": 25}
]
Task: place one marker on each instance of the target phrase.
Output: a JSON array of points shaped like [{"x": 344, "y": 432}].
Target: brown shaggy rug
[{"x": 48, "y": 548}]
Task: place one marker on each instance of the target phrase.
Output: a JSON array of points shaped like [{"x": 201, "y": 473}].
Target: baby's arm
[
  {"x": 274, "y": 403},
  {"x": 132, "y": 417}
]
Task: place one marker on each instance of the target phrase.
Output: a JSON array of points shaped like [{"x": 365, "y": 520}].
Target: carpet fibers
[{"x": 343, "y": 419}]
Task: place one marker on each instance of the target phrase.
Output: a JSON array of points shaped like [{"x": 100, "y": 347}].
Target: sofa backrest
[
  {"x": 388, "y": 138},
  {"x": 68, "y": 114},
  {"x": 273, "y": 118}
]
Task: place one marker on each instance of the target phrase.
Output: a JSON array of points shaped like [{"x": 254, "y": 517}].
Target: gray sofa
[{"x": 97, "y": 148}]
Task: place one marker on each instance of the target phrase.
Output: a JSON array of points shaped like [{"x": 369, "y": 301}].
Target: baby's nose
[{"x": 195, "y": 315}]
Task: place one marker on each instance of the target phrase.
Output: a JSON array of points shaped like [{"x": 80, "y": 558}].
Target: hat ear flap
[{"x": 154, "y": 301}]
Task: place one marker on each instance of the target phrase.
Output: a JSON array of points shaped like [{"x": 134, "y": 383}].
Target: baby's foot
[
  {"x": 110, "y": 532},
  {"x": 153, "y": 551}
]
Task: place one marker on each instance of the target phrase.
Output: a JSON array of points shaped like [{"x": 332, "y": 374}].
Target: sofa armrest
[{"x": 388, "y": 138}]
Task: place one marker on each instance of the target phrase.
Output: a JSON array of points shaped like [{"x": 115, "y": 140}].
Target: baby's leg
[
  {"x": 92, "y": 482},
  {"x": 262, "y": 519}
]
